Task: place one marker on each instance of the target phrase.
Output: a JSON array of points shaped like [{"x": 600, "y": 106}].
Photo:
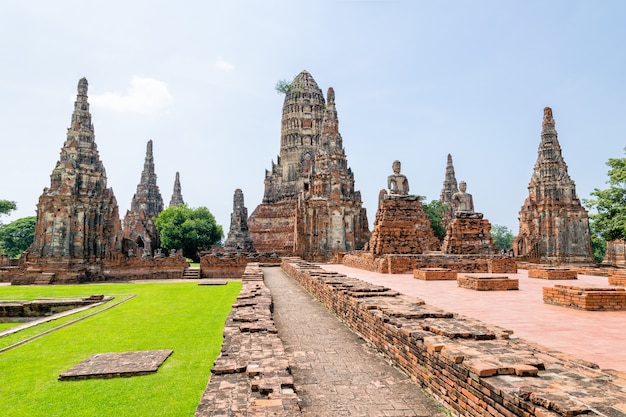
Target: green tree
[
  {"x": 502, "y": 237},
  {"x": 192, "y": 230},
  {"x": 609, "y": 221},
  {"x": 17, "y": 236},
  {"x": 435, "y": 211},
  {"x": 7, "y": 206}
]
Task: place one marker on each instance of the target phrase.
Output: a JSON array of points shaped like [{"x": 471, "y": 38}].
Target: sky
[{"x": 414, "y": 81}]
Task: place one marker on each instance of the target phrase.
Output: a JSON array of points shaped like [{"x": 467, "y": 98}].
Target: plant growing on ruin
[
  {"x": 282, "y": 86},
  {"x": 189, "y": 229}
]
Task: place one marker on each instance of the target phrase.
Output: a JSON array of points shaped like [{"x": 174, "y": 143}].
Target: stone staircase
[
  {"x": 191, "y": 273},
  {"x": 45, "y": 278}
]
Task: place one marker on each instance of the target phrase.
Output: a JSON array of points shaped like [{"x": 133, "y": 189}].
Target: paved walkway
[
  {"x": 336, "y": 373},
  {"x": 595, "y": 336}
]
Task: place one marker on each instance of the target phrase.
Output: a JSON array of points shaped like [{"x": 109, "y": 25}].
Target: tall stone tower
[
  {"x": 238, "y": 235},
  {"x": 310, "y": 207},
  {"x": 553, "y": 225},
  {"x": 146, "y": 204},
  {"x": 78, "y": 224},
  {"x": 449, "y": 188},
  {"x": 177, "y": 195}
]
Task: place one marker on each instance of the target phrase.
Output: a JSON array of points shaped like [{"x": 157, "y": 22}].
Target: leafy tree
[
  {"x": 435, "y": 211},
  {"x": 192, "y": 230},
  {"x": 17, "y": 236},
  {"x": 609, "y": 221},
  {"x": 502, "y": 237},
  {"x": 7, "y": 206},
  {"x": 282, "y": 86}
]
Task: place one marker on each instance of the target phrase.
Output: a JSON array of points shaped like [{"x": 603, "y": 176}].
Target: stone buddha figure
[
  {"x": 463, "y": 203},
  {"x": 397, "y": 183}
]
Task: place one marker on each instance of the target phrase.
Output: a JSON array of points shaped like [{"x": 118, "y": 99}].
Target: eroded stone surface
[
  {"x": 118, "y": 364},
  {"x": 238, "y": 235},
  {"x": 553, "y": 224}
]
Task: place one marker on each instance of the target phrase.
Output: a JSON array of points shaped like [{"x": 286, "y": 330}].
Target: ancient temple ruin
[
  {"x": 147, "y": 203},
  {"x": 467, "y": 232},
  {"x": 401, "y": 225},
  {"x": 310, "y": 207},
  {"x": 239, "y": 236},
  {"x": 553, "y": 225},
  {"x": 78, "y": 225},
  {"x": 177, "y": 195},
  {"x": 449, "y": 188}
]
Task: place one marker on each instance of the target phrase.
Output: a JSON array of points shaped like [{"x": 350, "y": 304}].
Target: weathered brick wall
[
  {"x": 399, "y": 264},
  {"x": 582, "y": 298},
  {"x": 471, "y": 366},
  {"x": 615, "y": 253},
  {"x": 251, "y": 376},
  {"x": 617, "y": 280}
]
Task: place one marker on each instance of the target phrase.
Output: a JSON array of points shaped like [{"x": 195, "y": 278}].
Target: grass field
[{"x": 184, "y": 317}]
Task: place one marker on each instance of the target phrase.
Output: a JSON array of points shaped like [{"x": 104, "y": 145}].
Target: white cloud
[
  {"x": 224, "y": 65},
  {"x": 145, "y": 96}
]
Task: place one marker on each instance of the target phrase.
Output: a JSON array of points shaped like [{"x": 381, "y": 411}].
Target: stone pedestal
[
  {"x": 402, "y": 227},
  {"x": 434, "y": 274},
  {"x": 552, "y": 273},
  {"x": 586, "y": 298},
  {"x": 469, "y": 236},
  {"x": 488, "y": 283}
]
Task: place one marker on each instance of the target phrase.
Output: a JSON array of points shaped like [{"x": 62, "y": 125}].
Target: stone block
[
  {"x": 434, "y": 274},
  {"x": 589, "y": 298}
]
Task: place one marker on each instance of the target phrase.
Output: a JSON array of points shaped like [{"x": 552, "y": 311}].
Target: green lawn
[{"x": 184, "y": 317}]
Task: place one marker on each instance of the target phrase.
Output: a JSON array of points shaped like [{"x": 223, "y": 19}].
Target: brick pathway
[{"x": 335, "y": 372}]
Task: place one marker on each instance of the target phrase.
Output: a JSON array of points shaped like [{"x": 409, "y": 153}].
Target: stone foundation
[
  {"x": 251, "y": 376},
  {"x": 12, "y": 310},
  {"x": 615, "y": 253},
  {"x": 488, "y": 283},
  {"x": 399, "y": 264},
  {"x": 232, "y": 265},
  {"x": 581, "y": 298},
  {"x": 617, "y": 280},
  {"x": 553, "y": 273},
  {"x": 472, "y": 367},
  {"x": 468, "y": 236},
  {"x": 434, "y": 274}
]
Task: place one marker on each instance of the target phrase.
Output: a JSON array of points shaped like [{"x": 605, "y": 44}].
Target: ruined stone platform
[
  {"x": 434, "y": 274},
  {"x": 586, "y": 298},
  {"x": 488, "y": 283},
  {"x": 474, "y": 367},
  {"x": 552, "y": 273},
  {"x": 118, "y": 364}
]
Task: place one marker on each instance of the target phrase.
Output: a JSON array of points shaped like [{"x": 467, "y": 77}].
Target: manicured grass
[
  {"x": 184, "y": 317},
  {"x": 4, "y": 326}
]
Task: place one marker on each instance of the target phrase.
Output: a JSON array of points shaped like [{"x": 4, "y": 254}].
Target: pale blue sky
[{"x": 414, "y": 81}]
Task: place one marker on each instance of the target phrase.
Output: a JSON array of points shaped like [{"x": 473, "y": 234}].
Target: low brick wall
[
  {"x": 399, "y": 264},
  {"x": 591, "y": 298},
  {"x": 251, "y": 376},
  {"x": 232, "y": 265},
  {"x": 552, "y": 273},
  {"x": 487, "y": 283},
  {"x": 473, "y": 367},
  {"x": 434, "y": 274}
]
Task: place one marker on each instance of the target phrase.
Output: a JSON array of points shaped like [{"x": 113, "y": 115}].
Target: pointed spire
[
  {"x": 550, "y": 165},
  {"x": 450, "y": 185},
  {"x": 177, "y": 196},
  {"x": 330, "y": 122},
  {"x": 81, "y": 118},
  {"x": 148, "y": 196}
]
